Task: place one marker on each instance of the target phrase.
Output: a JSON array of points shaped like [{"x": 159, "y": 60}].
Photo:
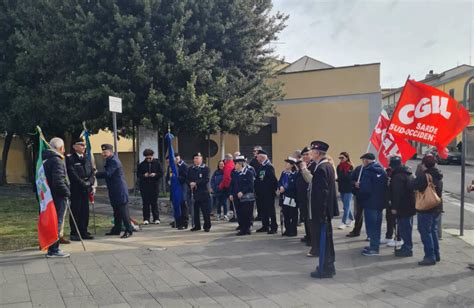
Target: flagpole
[{"x": 75, "y": 224}]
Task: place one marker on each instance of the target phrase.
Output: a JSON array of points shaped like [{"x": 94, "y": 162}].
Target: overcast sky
[{"x": 405, "y": 36}]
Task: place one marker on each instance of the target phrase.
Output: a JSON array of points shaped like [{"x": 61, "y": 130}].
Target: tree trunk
[
  {"x": 6, "y": 149},
  {"x": 222, "y": 141}
]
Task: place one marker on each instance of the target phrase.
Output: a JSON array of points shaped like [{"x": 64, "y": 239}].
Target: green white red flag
[{"x": 48, "y": 219}]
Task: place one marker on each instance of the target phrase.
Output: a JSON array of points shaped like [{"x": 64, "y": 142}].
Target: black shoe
[
  {"x": 403, "y": 253},
  {"x": 352, "y": 235},
  {"x": 195, "y": 229},
  {"x": 207, "y": 230},
  {"x": 173, "y": 224},
  {"x": 74, "y": 238},
  {"x": 304, "y": 239},
  {"x": 127, "y": 234},
  {"x": 427, "y": 262},
  {"x": 272, "y": 232},
  {"x": 317, "y": 274},
  {"x": 112, "y": 232},
  {"x": 262, "y": 229},
  {"x": 185, "y": 226},
  {"x": 241, "y": 233},
  {"x": 233, "y": 219},
  {"x": 285, "y": 234},
  {"x": 87, "y": 237},
  {"x": 237, "y": 229},
  {"x": 438, "y": 259},
  {"x": 180, "y": 228}
]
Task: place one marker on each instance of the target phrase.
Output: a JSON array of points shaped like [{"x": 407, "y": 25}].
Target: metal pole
[
  {"x": 463, "y": 159},
  {"x": 114, "y": 119}
]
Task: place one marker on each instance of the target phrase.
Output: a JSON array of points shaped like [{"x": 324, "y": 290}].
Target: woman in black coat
[
  {"x": 149, "y": 173},
  {"x": 402, "y": 199}
]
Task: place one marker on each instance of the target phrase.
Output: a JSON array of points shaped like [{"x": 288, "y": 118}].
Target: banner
[
  {"x": 175, "y": 186},
  {"x": 428, "y": 115},
  {"x": 387, "y": 145},
  {"x": 48, "y": 219},
  {"x": 86, "y": 135}
]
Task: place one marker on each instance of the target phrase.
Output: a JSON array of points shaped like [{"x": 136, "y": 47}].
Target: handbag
[
  {"x": 248, "y": 197},
  {"x": 427, "y": 199}
]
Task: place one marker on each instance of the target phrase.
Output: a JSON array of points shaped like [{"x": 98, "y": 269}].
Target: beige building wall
[
  {"x": 343, "y": 125},
  {"x": 332, "y": 82},
  {"x": 17, "y": 165}
]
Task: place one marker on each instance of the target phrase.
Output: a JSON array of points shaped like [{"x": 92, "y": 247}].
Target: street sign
[{"x": 115, "y": 104}]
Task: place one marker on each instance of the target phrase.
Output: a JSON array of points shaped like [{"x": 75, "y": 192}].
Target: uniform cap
[
  {"x": 198, "y": 154},
  {"x": 240, "y": 159},
  {"x": 368, "y": 156},
  {"x": 320, "y": 146},
  {"x": 291, "y": 160},
  {"x": 262, "y": 152},
  {"x": 107, "y": 147}
]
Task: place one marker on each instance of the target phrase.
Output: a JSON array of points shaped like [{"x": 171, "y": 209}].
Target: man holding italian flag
[{"x": 52, "y": 187}]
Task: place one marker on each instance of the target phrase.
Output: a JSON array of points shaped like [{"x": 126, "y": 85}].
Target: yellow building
[
  {"x": 451, "y": 82},
  {"x": 339, "y": 105}
]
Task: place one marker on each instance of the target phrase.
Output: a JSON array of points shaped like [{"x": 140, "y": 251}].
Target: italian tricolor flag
[{"x": 48, "y": 219}]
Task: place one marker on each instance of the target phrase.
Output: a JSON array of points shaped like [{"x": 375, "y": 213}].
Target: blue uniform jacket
[
  {"x": 243, "y": 182},
  {"x": 216, "y": 179},
  {"x": 373, "y": 187},
  {"x": 115, "y": 179},
  {"x": 288, "y": 181}
]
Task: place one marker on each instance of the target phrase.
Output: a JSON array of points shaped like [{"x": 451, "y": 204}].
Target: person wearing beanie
[
  {"x": 402, "y": 198},
  {"x": 428, "y": 220}
]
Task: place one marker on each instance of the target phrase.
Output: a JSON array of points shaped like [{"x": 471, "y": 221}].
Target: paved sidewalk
[{"x": 166, "y": 267}]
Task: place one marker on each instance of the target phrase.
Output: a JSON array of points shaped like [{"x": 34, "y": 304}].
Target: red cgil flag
[
  {"x": 428, "y": 115},
  {"x": 387, "y": 145}
]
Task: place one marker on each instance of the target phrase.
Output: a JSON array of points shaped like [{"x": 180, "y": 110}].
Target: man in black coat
[
  {"x": 81, "y": 175},
  {"x": 118, "y": 191},
  {"x": 56, "y": 175},
  {"x": 266, "y": 186},
  {"x": 323, "y": 206},
  {"x": 182, "y": 174},
  {"x": 302, "y": 193},
  {"x": 149, "y": 173},
  {"x": 198, "y": 181},
  {"x": 402, "y": 199}
]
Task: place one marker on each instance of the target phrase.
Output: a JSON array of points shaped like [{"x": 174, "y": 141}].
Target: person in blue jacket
[
  {"x": 287, "y": 192},
  {"x": 372, "y": 189},
  {"x": 118, "y": 191},
  {"x": 243, "y": 194}
]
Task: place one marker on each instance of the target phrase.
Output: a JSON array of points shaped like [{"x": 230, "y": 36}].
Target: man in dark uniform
[
  {"x": 323, "y": 206},
  {"x": 256, "y": 166},
  {"x": 149, "y": 173},
  {"x": 242, "y": 194},
  {"x": 198, "y": 180},
  {"x": 118, "y": 191},
  {"x": 81, "y": 175},
  {"x": 266, "y": 187},
  {"x": 182, "y": 174}
]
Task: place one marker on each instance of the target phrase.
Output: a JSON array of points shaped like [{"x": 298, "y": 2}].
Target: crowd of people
[{"x": 306, "y": 192}]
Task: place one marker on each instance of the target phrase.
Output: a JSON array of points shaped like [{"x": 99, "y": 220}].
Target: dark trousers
[
  {"x": 260, "y": 205},
  {"x": 80, "y": 210},
  {"x": 315, "y": 233},
  {"x": 405, "y": 230},
  {"x": 269, "y": 213},
  {"x": 60, "y": 205},
  {"x": 121, "y": 217},
  {"x": 150, "y": 200},
  {"x": 291, "y": 219},
  {"x": 184, "y": 218},
  {"x": 244, "y": 214},
  {"x": 304, "y": 217},
  {"x": 391, "y": 221},
  {"x": 329, "y": 253},
  {"x": 359, "y": 217},
  {"x": 203, "y": 206}
]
